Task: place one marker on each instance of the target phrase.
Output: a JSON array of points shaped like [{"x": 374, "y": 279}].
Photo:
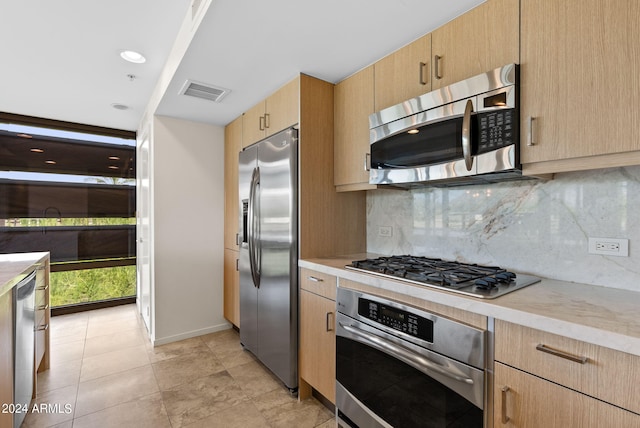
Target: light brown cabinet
[
  {"x": 272, "y": 115},
  {"x": 480, "y": 40},
  {"x": 353, "y": 98},
  {"x": 231, "y": 307},
  {"x": 542, "y": 379},
  {"x": 317, "y": 359},
  {"x": 42, "y": 317},
  {"x": 232, "y": 146},
  {"x": 579, "y": 84},
  {"x": 522, "y": 400},
  {"x": 403, "y": 74}
]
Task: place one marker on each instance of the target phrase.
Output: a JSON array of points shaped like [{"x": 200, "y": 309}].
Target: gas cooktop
[{"x": 486, "y": 282}]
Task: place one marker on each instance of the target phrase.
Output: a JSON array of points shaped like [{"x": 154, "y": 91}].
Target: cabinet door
[
  {"x": 231, "y": 287},
  {"x": 522, "y": 400},
  {"x": 318, "y": 343},
  {"x": 353, "y": 103},
  {"x": 232, "y": 146},
  {"x": 404, "y": 74},
  {"x": 283, "y": 107},
  {"x": 480, "y": 40},
  {"x": 579, "y": 81},
  {"x": 253, "y": 124}
]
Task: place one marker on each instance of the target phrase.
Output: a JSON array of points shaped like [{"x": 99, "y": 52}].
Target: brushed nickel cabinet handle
[
  {"x": 314, "y": 279},
  {"x": 329, "y": 323},
  {"x": 367, "y": 156},
  {"x": 41, "y": 327},
  {"x": 436, "y": 65},
  {"x": 267, "y": 122},
  {"x": 42, "y": 308},
  {"x": 424, "y": 76},
  {"x": 237, "y": 265},
  {"x": 530, "y": 140},
  {"x": 576, "y": 359},
  {"x": 261, "y": 123},
  {"x": 505, "y": 418}
]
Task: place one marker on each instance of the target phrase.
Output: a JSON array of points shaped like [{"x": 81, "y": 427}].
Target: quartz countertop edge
[
  {"x": 600, "y": 315},
  {"x": 16, "y": 266}
]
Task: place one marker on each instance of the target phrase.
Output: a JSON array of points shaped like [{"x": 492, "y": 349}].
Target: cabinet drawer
[
  {"x": 318, "y": 283},
  {"x": 594, "y": 370},
  {"x": 41, "y": 296}
]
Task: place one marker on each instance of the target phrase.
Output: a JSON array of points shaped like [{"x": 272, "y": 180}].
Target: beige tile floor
[{"x": 105, "y": 373}]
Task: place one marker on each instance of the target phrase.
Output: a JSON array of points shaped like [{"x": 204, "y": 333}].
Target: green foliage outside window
[{"x": 91, "y": 285}]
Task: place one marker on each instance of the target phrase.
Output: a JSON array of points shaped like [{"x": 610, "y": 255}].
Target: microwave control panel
[
  {"x": 496, "y": 128},
  {"x": 396, "y": 319}
]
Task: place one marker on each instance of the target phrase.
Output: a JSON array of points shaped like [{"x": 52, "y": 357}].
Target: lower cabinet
[
  {"x": 231, "y": 287},
  {"x": 546, "y": 380},
  {"x": 524, "y": 400},
  {"x": 317, "y": 357}
]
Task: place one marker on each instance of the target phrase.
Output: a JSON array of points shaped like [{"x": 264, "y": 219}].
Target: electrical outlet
[
  {"x": 386, "y": 231},
  {"x": 609, "y": 246}
]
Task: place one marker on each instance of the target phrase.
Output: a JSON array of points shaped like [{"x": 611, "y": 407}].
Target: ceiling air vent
[{"x": 204, "y": 91}]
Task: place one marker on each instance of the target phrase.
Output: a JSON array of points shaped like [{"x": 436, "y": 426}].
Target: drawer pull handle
[
  {"x": 314, "y": 279},
  {"x": 42, "y": 307},
  {"x": 42, "y": 327},
  {"x": 544, "y": 348},
  {"x": 505, "y": 418}
]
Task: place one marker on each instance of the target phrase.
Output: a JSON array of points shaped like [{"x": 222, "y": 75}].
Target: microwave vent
[{"x": 204, "y": 91}]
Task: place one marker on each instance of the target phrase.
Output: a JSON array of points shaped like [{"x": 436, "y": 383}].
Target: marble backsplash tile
[{"x": 529, "y": 226}]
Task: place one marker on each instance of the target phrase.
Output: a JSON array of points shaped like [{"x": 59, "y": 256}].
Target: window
[{"x": 72, "y": 194}]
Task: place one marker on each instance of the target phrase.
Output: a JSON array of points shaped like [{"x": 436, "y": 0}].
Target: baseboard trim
[{"x": 190, "y": 334}]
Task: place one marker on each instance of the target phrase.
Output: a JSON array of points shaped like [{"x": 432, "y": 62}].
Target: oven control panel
[{"x": 396, "y": 319}]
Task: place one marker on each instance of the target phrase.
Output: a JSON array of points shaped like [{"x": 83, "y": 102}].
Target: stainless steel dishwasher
[{"x": 24, "y": 344}]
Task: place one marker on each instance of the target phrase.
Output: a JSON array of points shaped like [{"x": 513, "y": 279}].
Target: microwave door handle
[
  {"x": 420, "y": 362},
  {"x": 466, "y": 135}
]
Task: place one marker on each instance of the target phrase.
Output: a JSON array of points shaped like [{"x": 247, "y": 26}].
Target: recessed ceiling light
[
  {"x": 113, "y": 167},
  {"x": 34, "y": 150},
  {"x": 114, "y": 158},
  {"x": 24, "y": 135},
  {"x": 118, "y": 106},
  {"x": 133, "y": 56},
  {"x": 50, "y": 162},
  {"x": 413, "y": 131}
]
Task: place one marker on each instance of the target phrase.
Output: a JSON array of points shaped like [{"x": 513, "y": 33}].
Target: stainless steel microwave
[{"x": 463, "y": 133}]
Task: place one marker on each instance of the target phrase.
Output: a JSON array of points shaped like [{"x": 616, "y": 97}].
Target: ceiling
[{"x": 62, "y": 60}]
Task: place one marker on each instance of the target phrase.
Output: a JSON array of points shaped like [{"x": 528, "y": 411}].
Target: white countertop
[
  {"x": 14, "y": 267},
  {"x": 600, "y": 315}
]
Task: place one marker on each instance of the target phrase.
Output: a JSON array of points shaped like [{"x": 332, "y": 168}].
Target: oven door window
[{"x": 398, "y": 393}]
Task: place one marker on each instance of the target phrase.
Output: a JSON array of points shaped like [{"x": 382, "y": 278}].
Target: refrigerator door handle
[{"x": 254, "y": 228}]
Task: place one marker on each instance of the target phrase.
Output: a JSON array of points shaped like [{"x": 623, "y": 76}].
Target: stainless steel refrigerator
[{"x": 268, "y": 190}]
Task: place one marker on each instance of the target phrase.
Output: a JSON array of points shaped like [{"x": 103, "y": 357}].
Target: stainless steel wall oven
[{"x": 398, "y": 366}]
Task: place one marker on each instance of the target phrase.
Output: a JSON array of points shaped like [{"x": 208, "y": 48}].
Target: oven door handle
[{"x": 406, "y": 355}]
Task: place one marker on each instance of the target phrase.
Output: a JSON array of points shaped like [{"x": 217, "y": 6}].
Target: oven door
[{"x": 385, "y": 381}]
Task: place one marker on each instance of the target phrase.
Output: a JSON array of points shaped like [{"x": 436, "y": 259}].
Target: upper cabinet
[
  {"x": 272, "y": 115},
  {"x": 482, "y": 39},
  {"x": 353, "y": 98},
  {"x": 579, "y": 63},
  {"x": 404, "y": 74}
]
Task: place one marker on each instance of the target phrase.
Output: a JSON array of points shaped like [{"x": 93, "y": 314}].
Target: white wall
[{"x": 188, "y": 218}]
